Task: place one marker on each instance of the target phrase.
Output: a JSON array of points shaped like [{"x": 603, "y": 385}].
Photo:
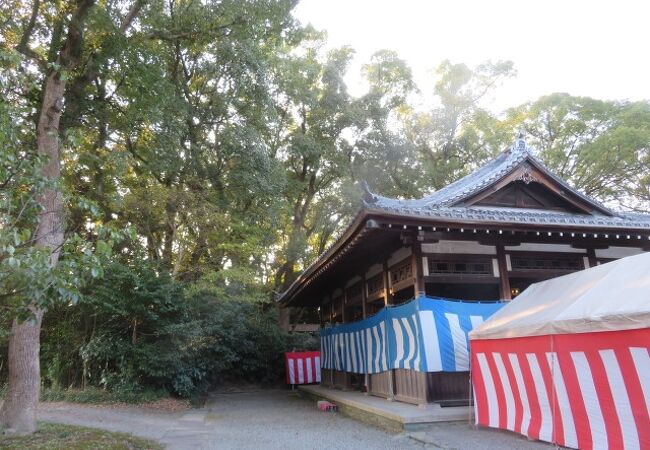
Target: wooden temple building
[{"x": 486, "y": 236}]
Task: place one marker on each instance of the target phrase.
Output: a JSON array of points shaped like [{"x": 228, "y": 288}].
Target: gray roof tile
[{"x": 444, "y": 203}]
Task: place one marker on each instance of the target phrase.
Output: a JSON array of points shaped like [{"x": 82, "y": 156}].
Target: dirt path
[
  {"x": 257, "y": 420},
  {"x": 273, "y": 420}
]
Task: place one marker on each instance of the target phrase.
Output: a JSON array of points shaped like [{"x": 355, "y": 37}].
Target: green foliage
[
  {"x": 600, "y": 146},
  {"x": 210, "y": 150},
  {"x": 93, "y": 395},
  {"x": 136, "y": 332},
  {"x": 50, "y": 436},
  {"x": 454, "y": 137}
]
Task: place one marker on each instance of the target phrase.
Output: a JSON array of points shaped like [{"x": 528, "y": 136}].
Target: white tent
[
  {"x": 580, "y": 302},
  {"x": 568, "y": 361}
]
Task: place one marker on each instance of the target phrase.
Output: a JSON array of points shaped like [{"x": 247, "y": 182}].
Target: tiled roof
[
  {"x": 446, "y": 203},
  {"x": 498, "y": 215}
]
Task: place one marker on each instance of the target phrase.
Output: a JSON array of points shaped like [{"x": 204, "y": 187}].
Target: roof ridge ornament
[
  {"x": 520, "y": 143},
  {"x": 368, "y": 196},
  {"x": 527, "y": 174}
]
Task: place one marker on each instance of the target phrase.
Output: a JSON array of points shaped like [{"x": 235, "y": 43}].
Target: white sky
[{"x": 593, "y": 48}]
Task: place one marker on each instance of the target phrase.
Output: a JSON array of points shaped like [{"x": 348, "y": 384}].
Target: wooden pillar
[
  {"x": 418, "y": 271},
  {"x": 330, "y": 310},
  {"x": 347, "y": 376},
  {"x": 504, "y": 281},
  {"x": 591, "y": 254},
  {"x": 387, "y": 301},
  {"x": 364, "y": 297},
  {"x": 387, "y": 294},
  {"x": 332, "y": 313}
]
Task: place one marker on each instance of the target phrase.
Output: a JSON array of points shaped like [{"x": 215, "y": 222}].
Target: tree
[
  {"x": 19, "y": 408},
  {"x": 43, "y": 280},
  {"x": 458, "y": 133},
  {"x": 315, "y": 107},
  {"x": 600, "y": 146},
  {"x": 381, "y": 155}
]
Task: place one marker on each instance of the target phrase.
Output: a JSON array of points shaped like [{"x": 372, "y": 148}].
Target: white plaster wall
[
  {"x": 559, "y": 248},
  {"x": 617, "y": 252},
  {"x": 459, "y": 247}
]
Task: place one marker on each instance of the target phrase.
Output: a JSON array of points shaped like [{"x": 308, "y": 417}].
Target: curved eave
[
  {"x": 327, "y": 258},
  {"x": 356, "y": 234},
  {"x": 447, "y": 216}
]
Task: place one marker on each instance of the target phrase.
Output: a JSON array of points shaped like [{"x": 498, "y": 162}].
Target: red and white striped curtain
[
  {"x": 587, "y": 391},
  {"x": 302, "y": 367}
]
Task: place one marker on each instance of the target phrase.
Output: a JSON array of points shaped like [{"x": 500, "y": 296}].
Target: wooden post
[
  {"x": 364, "y": 296},
  {"x": 591, "y": 254},
  {"x": 331, "y": 303},
  {"x": 387, "y": 294},
  {"x": 504, "y": 281},
  {"x": 387, "y": 301},
  {"x": 418, "y": 273},
  {"x": 347, "y": 376}
]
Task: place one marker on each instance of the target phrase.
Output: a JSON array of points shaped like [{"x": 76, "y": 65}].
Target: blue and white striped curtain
[{"x": 427, "y": 335}]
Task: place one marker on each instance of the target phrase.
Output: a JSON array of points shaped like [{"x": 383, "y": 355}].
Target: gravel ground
[
  {"x": 273, "y": 420},
  {"x": 462, "y": 436}
]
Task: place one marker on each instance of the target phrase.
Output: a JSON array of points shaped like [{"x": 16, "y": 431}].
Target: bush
[
  {"x": 94, "y": 395},
  {"x": 137, "y": 332}
]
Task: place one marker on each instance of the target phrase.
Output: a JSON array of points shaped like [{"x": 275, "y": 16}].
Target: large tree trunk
[
  {"x": 285, "y": 276},
  {"x": 18, "y": 412}
]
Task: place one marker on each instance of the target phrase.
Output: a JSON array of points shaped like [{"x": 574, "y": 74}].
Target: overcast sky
[{"x": 593, "y": 48}]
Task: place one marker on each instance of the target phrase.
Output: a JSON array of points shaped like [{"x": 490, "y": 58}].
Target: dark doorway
[
  {"x": 518, "y": 285},
  {"x": 403, "y": 296}
]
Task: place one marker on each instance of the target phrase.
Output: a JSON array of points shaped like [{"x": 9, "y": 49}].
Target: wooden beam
[
  {"x": 504, "y": 281},
  {"x": 522, "y": 230},
  {"x": 461, "y": 279},
  {"x": 531, "y": 237}
]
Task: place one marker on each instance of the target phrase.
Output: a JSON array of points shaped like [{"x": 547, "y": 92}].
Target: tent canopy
[
  {"x": 426, "y": 335},
  {"x": 612, "y": 296}
]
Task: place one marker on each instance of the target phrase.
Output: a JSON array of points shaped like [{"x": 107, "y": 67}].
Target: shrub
[{"x": 137, "y": 332}]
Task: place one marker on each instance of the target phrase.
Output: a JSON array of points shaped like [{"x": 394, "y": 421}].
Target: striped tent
[
  {"x": 426, "y": 334},
  {"x": 302, "y": 367},
  {"x": 568, "y": 361}
]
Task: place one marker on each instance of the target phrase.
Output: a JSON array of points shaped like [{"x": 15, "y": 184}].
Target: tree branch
[{"x": 23, "y": 45}]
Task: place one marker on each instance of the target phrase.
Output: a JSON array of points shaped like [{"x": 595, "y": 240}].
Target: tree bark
[{"x": 18, "y": 412}]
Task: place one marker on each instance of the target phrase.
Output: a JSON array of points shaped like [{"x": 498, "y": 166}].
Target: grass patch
[
  {"x": 95, "y": 396},
  {"x": 52, "y": 436}
]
